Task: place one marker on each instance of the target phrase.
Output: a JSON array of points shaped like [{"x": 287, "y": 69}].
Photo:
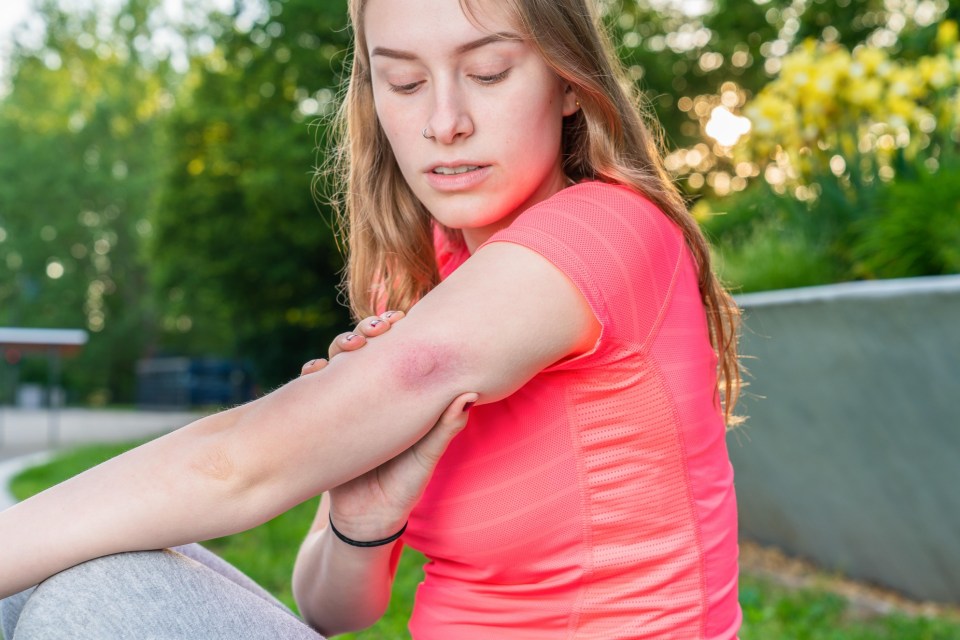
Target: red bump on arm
[{"x": 423, "y": 364}]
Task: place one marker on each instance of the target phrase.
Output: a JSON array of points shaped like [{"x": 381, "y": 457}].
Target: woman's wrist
[
  {"x": 339, "y": 588},
  {"x": 361, "y": 527},
  {"x": 366, "y": 543}
]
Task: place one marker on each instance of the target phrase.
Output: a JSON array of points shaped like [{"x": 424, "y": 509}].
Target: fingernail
[
  {"x": 389, "y": 314},
  {"x": 374, "y": 323},
  {"x": 309, "y": 364},
  {"x": 349, "y": 337},
  {"x": 468, "y": 406}
]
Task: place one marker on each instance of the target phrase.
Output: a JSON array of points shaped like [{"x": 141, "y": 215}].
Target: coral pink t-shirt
[{"x": 597, "y": 501}]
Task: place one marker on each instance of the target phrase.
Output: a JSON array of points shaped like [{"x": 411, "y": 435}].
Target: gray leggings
[{"x": 184, "y": 593}]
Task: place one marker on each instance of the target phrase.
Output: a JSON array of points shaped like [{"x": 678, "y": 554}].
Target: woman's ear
[{"x": 570, "y": 102}]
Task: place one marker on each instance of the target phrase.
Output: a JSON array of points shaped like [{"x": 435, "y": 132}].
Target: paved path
[
  {"x": 30, "y": 436},
  {"x": 10, "y": 468}
]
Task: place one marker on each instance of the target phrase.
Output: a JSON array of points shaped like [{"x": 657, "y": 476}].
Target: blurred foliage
[
  {"x": 79, "y": 151},
  {"x": 854, "y": 114},
  {"x": 689, "y": 65},
  {"x": 765, "y": 241},
  {"x": 244, "y": 261},
  {"x": 918, "y": 232},
  {"x": 860, "y": 160},
  {"x": 899, "y": 228},
  {"x": 155, "y": 169},
  {"x": 170, "y": 210}
]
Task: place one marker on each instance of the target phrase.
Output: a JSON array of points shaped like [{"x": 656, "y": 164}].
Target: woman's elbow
[
  {"x": 329, "y": 622},
  {"x": 214, "y": 464},
  {"x": 358, "y": 622},
  {"x": 229, "y": 487}
]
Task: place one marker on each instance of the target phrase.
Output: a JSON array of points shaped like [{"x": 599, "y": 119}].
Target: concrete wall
[{"x": 851, "y": 454}]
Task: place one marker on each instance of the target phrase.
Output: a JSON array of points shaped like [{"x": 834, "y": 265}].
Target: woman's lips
[
  {"x": 452, "y": 171},
  {"x": 457, "y": 177}
]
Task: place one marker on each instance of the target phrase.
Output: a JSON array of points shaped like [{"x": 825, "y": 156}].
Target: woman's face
[{"x": 490, "y": 107}]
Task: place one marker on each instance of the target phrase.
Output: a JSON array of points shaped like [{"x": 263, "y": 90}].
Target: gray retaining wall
[{"x": 851, "y": 454}]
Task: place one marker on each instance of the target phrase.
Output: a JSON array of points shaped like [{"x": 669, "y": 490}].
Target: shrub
[
  {"x": 917, "y": 232},
  {"x": 860, "y": 166}
]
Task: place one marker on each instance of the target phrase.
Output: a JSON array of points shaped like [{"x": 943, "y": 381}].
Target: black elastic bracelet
[{"x": 374, "y": 543}]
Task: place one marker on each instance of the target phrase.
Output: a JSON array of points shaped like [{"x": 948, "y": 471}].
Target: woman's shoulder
[
  {"x": 614, "y": 215},
  {"x": 614, "y": 243},
  {"x": 608, "y": 192}
]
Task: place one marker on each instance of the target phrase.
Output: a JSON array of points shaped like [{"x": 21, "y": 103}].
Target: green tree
[
  {"x": 244, "y": 261},
  {"x": 80, "y": 145},
  {"x": 108, "y": 148},
  {"x": 687, "y": 64}
]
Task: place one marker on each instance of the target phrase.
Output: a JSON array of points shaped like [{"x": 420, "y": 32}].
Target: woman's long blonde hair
[{"x": 388, "y": 234}]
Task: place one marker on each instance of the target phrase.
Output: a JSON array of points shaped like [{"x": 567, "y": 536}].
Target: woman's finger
[
  {"x": 378, "y": 325},
  {"x": 372, "y": 326},
  {"x": 367, "y": 328},
  {"x": 393, "y": 316},
  {"x": 313, "y": 366},
  {"x": 348, "y": 341},
  {"x": 431, "y": 447}
]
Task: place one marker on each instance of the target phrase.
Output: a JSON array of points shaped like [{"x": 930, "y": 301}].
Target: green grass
[{"x": 771, "y": 612}]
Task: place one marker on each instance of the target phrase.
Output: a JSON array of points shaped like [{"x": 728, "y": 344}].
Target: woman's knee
[
  {"x": 111, "y": 576},
  {"x": 93, "y": 594},
  {"x": 154, "y": 594}
]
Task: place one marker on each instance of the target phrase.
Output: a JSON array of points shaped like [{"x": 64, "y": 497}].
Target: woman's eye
[
  {"x": 495, "y": 78},
  {"x": 404, "y": 88}
]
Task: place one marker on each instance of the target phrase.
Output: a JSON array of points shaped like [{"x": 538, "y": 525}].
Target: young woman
[{"x": 502, "y": 188}]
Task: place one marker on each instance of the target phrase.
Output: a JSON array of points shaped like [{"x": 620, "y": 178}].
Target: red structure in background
[{"x": 15, "y": 342}]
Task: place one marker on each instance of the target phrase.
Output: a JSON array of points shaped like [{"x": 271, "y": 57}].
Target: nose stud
[{"x": 424, "y": 133}]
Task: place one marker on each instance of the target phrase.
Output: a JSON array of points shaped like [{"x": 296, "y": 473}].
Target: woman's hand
[
  {"x": 353, "y": 340},
  {"x": 376, "y": 504},
  {"x": 342, "y": 588}
]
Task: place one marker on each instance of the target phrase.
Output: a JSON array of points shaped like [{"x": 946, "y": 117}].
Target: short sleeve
[{"x": 618, "y": 248}]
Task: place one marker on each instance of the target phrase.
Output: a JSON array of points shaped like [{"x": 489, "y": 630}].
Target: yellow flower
[
  {"x": 832, "y": 71},
  {"x": 949, "y": 115},
  {"x": 827, "y": 100},
  {"x": 873, "y": 61},
  {"x": 946, "y": 34},
  {"x": 701, "y": 211},
  {"x": 935, "y": 71},
  {"x": 900, "y": 110},
  {"x": 847, "y": 144},
  {"x": 795, "y": 72},
  {"x": 864, "y": 93},
  {"x": 770, "y": 114},
  {"x": 906, "y": 82}
]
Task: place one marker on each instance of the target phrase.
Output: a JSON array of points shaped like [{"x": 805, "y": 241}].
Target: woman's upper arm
[
  {"x": 504, "y": 315},
  {"x": 510, "y": 313}
]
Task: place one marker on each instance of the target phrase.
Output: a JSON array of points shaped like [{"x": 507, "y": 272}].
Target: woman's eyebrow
[{"x": 502, "y": 36}]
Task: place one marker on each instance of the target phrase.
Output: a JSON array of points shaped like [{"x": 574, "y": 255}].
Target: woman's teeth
[{"x": 452, "y": 171}]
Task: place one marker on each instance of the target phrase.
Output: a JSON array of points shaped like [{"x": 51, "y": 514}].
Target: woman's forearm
[
  {"x": 152, "y": 497},
  {"x": 224, "y": 473},
  {"x": 339, "y": 588}
]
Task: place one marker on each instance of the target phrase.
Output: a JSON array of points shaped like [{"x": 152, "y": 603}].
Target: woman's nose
[{"x": 450, "y": 120}]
